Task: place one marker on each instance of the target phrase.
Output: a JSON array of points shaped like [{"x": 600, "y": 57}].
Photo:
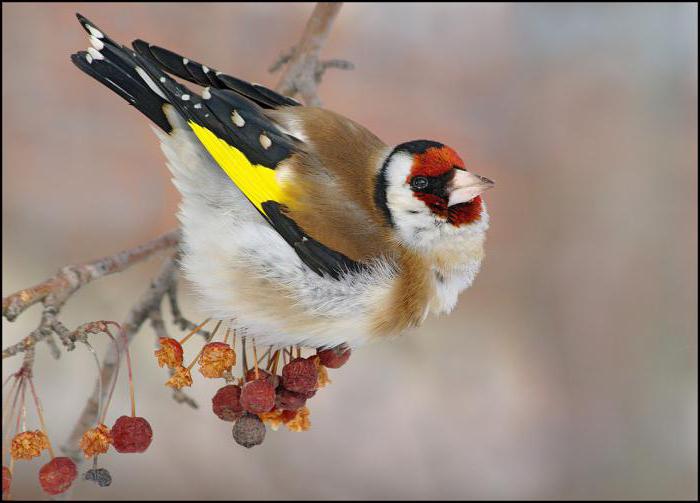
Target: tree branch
[
  {"x": 303, "y": 69},
  {"x": 55, "y": 291}
]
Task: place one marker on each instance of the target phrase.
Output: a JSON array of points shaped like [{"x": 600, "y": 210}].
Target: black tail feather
[{"x": 113, "y": 67}]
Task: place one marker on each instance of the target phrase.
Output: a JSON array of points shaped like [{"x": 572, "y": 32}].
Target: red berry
[
  {"x": 6, "y": 479},
  {"x": 258, "y": 396},
  {"x": 227, "y": 403},
  {"x": 263, "y": 374},
  {"x": 289, "y": 400},
  {"x": 334, "y": 358},
  {"x": 131, "y": 434},
  {"x": 57, "y": 475},
  {"x": 300, "y": 375}
]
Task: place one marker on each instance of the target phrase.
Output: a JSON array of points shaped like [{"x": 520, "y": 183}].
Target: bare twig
[
  {"x": 303, "y": 69},
  {"x": 149, "y": 301},
  {"x": 55, "y": 291}
]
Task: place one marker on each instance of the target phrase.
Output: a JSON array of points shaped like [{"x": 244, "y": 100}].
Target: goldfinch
[{"x": 299, "y": 224}]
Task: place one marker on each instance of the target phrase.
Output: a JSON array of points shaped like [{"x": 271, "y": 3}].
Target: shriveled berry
[
  {"x": 57, "y": 475},
  {"x": 263, "y": 374},
  {"x": 170, "y": 353},
  {"x": 131, "y": 434},
  {"x": 248, "y": 430},
  {"x": 258, "y": 396},
  {"x": 289, "y": 400},
  {"x": 100, "y": 476},
  {"x": 300, "y": 421},
  {"x": 180, "y": 378},
  {"x": 300, "y": 375},
  {"x": 272, "y": 418},
  {"x": 6, "y": 479},
  {"x": 216, "y": 358},
  {"x": 28, "y": 444},
  {"x": 226, "y": 403},
  {"x": 96, "y": 441},
  {"x": 334, "y": 358}
]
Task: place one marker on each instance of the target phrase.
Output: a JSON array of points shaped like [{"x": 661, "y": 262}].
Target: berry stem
[
  {"x": 245, "y": 359},
  {"x": 9, "y": 413},
  {"x": 99, "y": 380},
  {"x": 255, "y": 360},
  {"x": 216, "y": 328},
  {"x": 41, "y": 416},
  {"x": 194, "y": 331},
  {"x": 228, "y": 332},
  {"x": 298, "y": 351},
  {"x": 125, "y": 343},
  {"x": 275, "y": 360},
  {"x": 211, "y": 336},
  {"x": 114, "y": 378}
]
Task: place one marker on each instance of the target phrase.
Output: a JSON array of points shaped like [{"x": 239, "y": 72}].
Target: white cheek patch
[{"x": 414, "y": 221}]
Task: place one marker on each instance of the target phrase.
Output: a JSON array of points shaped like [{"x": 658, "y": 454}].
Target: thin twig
[{"x": 302, "y": 67}]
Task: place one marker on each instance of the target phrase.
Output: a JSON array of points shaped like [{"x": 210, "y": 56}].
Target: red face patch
[{"x": 435, "y": 161}]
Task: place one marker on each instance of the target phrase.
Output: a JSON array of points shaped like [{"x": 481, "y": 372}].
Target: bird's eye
[{"x": 419, "y": 182}]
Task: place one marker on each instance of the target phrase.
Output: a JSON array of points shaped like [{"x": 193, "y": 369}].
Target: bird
[{"x": 299, "y": 225}]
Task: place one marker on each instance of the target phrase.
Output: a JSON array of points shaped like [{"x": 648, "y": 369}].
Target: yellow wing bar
[{"x": 256, "y": 181}]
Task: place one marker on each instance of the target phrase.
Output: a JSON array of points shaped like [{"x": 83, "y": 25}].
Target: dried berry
[
  {"x": 226, "y": 403},
  {"x": 131, "y": 434},
  {"x": 300, "y": 421},
  {"x": 258, "y": 396},
  {"x": 248, "y": 430},
  {"x": 289, "y": 400},
  {"x": 100, "y": 476},
  {"x": 181, "y": 378},
  {"x": 57, "y": 475},
  {"x": 273, "y": 418},
  {"x": 274, "y": 379},
  {"x": 323, "y": 379},
  {"x": 170, "y": 353},
  {"x": 217, "y": 358},
  {"x": 28, "y": 444},
  {"x": 334, "y": 358},
  {"x": 6, "y": 479},
  {"x": 96, "y": 441},
  {"x": 300, "y": 375}
]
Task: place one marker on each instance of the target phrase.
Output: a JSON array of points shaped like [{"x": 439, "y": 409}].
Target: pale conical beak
[{"x": 465, "y": 186}]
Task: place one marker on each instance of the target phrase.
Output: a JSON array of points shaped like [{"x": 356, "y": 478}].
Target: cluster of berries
[
  {"x": 259, "y": 396},
  {"x": 129, "y": 434}
]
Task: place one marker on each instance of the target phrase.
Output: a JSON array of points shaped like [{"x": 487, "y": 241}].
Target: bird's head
[{"x": 426, "y": 192}]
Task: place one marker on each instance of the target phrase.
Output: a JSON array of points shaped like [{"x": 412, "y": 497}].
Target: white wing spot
[
  {"x": 185, "y": 61},
  {"x": 162, "y": 79},
  {"x": 206, "y": 94},
  {"x": 94, "y": 31},
  {"x": 95, "y": 53},
  {"x": 198, "y": 105},
  {"x": 205, "y": 69},
  {"x": 237, "y": 119},
  {"x": 88, "y": 58},
  {"x": 149, "y": 82},
  {"x": 265, "y": 141},
  {"x": 185, "y": 97},
  {"x": 96, "y": 43}
]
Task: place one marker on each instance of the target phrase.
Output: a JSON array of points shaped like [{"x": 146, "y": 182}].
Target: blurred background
[{"x": 569, "y": 369}]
